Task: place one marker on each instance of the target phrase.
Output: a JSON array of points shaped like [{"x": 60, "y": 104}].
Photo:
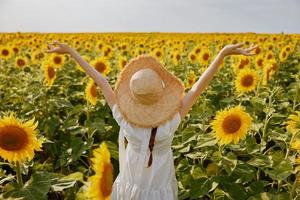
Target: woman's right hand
[{"x": 62, "y": 48}]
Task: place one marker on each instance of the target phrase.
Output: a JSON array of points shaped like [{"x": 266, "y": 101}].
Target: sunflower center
[
  {"x": 20, "y": 62},
  {"x": 257, "y": 50},
  {"x": 100, "y": 67},
  {"x": 259, "y": 62},
  {"x": 247, "y": 80},
  {"x": 51, "y": 72},
  {"x": 205, "y": 56},
  {"x": 12, "y": 138},
  {"x": 15, "y": 49},
  {"x": 269, "y": 56},
  {"x": 193, "y": 57},
  {"x": 5, "y": 52},
  {"x": 107, "y": 180},
  {"x": 177, "y": 57},
  {"x": 123, "y": 63},
  {"x": 284, "y": 54},
  {"x": 231, "y": 124},
  {"x": 57, "y": 60},
  {"x": 158, "y": 53},
  {"x": 94, "y": 90}
]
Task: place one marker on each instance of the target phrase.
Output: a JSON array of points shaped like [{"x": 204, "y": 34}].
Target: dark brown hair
[{"x": 151, "y": 144}]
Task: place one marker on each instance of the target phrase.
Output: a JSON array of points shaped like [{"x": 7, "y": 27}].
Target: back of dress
[{"x": 136, "y": 180}]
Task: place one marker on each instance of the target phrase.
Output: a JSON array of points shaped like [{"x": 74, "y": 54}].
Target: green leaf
[
  {"x": 235, "y": 190},
  {"x": 200, "y": 187},
  {"x": 281, "y": 171},
  {"x": 67, "y": 181},
  {"x": 113, "y": 149},
  {"x": 252, "y": 146},
  {"x": 260, "y": 161},
  {"x": 78, "y": 147},
  {"x": 229, "y": 162},
  {"x": 244, "y": 172},
  {"x": 36, "y": 188},
  {"x": 257, "y": 187}
]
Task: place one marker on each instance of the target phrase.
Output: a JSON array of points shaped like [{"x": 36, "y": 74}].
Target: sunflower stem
[
  {"x": 293, "y": 189},
  {"x": 19, "y": 175},
  {"x": 288, "y": 149}
]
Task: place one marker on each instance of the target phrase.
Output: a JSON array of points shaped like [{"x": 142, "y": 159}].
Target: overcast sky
[{"x": 261, "y": 16}]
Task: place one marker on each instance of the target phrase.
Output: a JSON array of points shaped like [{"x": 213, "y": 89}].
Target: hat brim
[{"x": 152, "y": 115}]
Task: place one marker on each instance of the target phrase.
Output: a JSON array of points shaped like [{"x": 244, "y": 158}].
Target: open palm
[
  {"x": 61, "y": 48},
  {"x": 233, "y": 49}
]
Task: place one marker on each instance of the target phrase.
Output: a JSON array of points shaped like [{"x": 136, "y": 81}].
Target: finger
[
  {"x": 50, "y": 46},
  {"x": 238, "y": 45},
  {"x": 48, "y": 51},
  {"x": 249, "y": 54},
  {"x": 250, "y": 49},
  {"x": 56, "y": 42}
]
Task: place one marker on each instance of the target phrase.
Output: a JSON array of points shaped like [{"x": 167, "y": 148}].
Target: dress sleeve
[{"x": 116, "y": 114}]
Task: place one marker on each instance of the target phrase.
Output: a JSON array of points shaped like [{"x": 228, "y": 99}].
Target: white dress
[{"x": 135, "y": 181}]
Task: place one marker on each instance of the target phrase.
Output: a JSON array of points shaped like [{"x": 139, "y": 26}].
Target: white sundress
[{"x": 135, "y": 181}]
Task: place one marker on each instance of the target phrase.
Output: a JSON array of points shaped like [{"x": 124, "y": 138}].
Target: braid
[{"x": 151, "y": 144}]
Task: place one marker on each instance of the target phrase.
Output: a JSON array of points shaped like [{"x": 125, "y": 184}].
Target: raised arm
[
  {"x": 198, "y": 87},
  {"x": 100, "y": 80}
]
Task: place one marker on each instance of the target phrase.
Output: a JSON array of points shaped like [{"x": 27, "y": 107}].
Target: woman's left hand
[{"x": 233, "y": 49}]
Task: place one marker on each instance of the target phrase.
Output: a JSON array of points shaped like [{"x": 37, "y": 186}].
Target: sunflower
[
  {"x": 192, "y": 57},
  {"x": 205, "y": 56},
  {"x": 102, "y": 181},
  {"x": 6, "y": 52},
  {"x": 101, "y": 65},
  {"x": 259, "y": 62},
  {"x": 49, "y": 72},
  {"x": 283, "y": 55},
  {"x": 231, "y": 125},
  {"x": 57, "y": 60},
  {"x": 123, "y": 47},
  {"x": 269, "y": 70},
  {"x": 191, "y": 79},
  {"x": 176, "y": 57},
  {"x": 21, "y": 61},
  {"x": 122, "y": 62},
  {"x": 246, "y": 80},
  {"x": 241, "y": 63},
  {"x": 36, "y": 56},
  {"x": 158, "y": 53},
  {"x": 293, "y": 124},
  {"x": 108, "y": 53},
  {"x": 88, "y": 45},
  {"x": 270, "y": 55},
  {"x": 100, "y": 45},
  {"x": 15, "y": 48},
  {"x": 91, "y": 92},
  {"x": 296, "y": 144},
  {"x": 257, "y": 50},
  {"x": 18, "y": 139}
]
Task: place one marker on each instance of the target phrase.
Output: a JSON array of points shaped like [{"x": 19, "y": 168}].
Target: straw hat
[{"x": 147, "y": 94}]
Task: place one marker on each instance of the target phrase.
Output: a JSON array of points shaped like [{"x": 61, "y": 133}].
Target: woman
[{"x": 148, "y": 103}]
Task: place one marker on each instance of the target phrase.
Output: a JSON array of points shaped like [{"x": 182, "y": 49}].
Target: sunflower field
[{"x": 240, "y": 140}]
